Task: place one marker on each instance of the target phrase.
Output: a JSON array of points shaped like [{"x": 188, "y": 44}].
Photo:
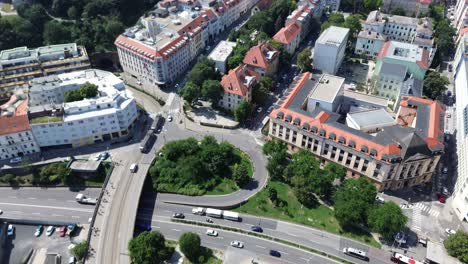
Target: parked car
[
  {"x": 269, "y": 109},
  {"x": 211, "y": 232},
  {"x": 450, "y": 68},
  {"x": 256, "y": 229},
  {"x": 445, "y": 170},
  {"x": 178, "y": 215},
  {"x": 16, "y": 160},
  {"x": 275, "y": 253},
  {"x": 380, "y": 199},
  {"x": 62, "y": 231},
  {"x": 450, "y": 231},
  {"x": 144, "y": 226},
  {"x": 50, "y": 230},
  {"x": 39, "y": 230},
  {"x": 1, "y": 212},
  {"x": 445, "y": 191},
  {"x": 237, "y": 244},
  {"x": 102, "y": 156},
  {"x": 71, "y": 260},
  {"x": 169, "y": 118},
  {"x": 10, "y": 230},
  {"x": 440, "y": 198},
  {"x": 259, "y": 110}
]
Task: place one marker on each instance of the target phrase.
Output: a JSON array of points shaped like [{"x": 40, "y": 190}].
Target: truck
[
  {"x": 198, "y": 211},
  {"x": 214, "y": 212},
  {"x": 149, "y": 139},
  {"x": 157, "y": 123},
  {"x": 233, "y": 216},
  {"x": 81, "y": 198}
]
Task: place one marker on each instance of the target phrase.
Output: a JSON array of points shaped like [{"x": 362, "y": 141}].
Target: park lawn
[{"x": 320, "y": 217}]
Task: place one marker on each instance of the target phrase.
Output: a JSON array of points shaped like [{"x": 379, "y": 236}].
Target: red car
[
  {"x": 440, "y": 198},
  {"x": 62, "y": 231}
]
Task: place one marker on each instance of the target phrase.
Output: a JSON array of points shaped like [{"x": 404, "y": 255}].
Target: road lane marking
[
  {"x": 305, "y": 259},
  {"x": 260, "y": 246},
  {"x": 70, "y": 201},
  {"x": 283, "y": 253},
  {"x": 220, "y": 237},
  {"x": 36, "y": 213},
  {"x": 50, "y": 207},
  {"x": 56, "y": 215},
  {"x": 177, "y": 230},
  {"x": 74, "y": 216},
  {"x": 32, "y": 198},
  {"x": 50, "y": 199},
  {"x": 16, "y": 212},
  {"x": 12, "y": 197},
  {"x": 292, "y": 235},
  {"x": 157, "y": 227}
]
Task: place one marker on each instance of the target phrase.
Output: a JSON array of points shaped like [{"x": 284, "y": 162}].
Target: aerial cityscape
[{"x": 233, "y": 131}]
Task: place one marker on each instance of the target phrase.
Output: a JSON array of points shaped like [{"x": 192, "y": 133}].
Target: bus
[
  {"x": 233, "y": 216},
  {"x": 214, "y": 212},
  {"x": 402, "y": 259},
  {"x": 148, "y": 141},
  {"x": 357, "y": 253}
]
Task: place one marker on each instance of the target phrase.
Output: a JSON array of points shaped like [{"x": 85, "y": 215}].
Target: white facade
[
  {"x": 330, "y": 49},
  {"x": 460, "y": 15},
  {"x": 221, "y": 54},
  {"x": 326, "y": 94},
  {"x": 333, "y": 5},
  {"x": 108, "y": 116},
  {"x": 17, "y": 144},
  {"x": 460, "y": 194}
]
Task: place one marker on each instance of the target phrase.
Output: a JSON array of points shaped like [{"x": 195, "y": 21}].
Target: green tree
[
  {"x": 149, "y": 248},
  {"x": 335, "y": 171},
  {"x": 56, "y": 32},
  {"x": 457, "y": 246},
  {"x": 190, "y": 245},
  {"x": 190, "y": 92},
  {"x": 35, "y": 14},
  {"x": 272, "y": 195},
  {"x": 88, "y": 90},
  {"x": 353, "y": 22},
  {"x": 72, "y": 13},
  {"x": 304, "y": 60},
  {"x": 387, "y": 219},
  {"x": 113, "y": 27},
  {"x": 434, "y": 85},
  {"x": 212, "y": 90},
  {"x": 353, "y": 199},
  {"x": 277, "y": 159},
  {"x": 203, "y": 70},
  {"x": 370, "y": 5},
  {"x": 399, "y": 11},
  {"x": 444, "y": 37},
  {"x": 273, "y": 147},
  {"x": 79, "y": 250},
  {"x": 241, "y": 174},
  {"x": 242, "y": 111}
]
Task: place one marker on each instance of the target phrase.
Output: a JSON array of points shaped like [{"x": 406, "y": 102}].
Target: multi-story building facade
[
  {"x": 164, "y": 43},
  {"x": 460, "y": 193},
  {"x": 394, "y": 157},
  {"x": 379, "y": 28},
  {"x": 330, "y": 49},
  {"x": 333, "y": 5},
  {"x": 110, "y": 115},
  {"x": 411, "y": 7},
  {"x": 460, "y": 15},
  {"x": 237, "y": 86},
  {"x": 220, "y": 55},
  {"x": 16, "y": 137},
  {"x": 400, "y": 69},
  {"x": 289, "y": 37},
  {"x": 19, "y": 65},
  {"x": 263, "y": 58}
]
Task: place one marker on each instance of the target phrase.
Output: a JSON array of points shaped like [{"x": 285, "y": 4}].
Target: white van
[{"x": 133, "y": 168}]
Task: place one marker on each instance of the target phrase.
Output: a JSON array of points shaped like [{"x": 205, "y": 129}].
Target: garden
[{"x": 192, "y": 167}]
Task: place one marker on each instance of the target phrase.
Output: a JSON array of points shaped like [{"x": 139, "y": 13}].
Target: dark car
[
  {"x": 145, "y": 227},
  {"x": 256, "y": 229},
  {"x": 275, "y": 253},
  {"x": 440, "y": 198},
  {"x": 450, "y": 67},
  {"x": 178, "y": 215}
]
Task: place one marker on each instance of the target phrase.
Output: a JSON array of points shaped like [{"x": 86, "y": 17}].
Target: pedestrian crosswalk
[
  {"x": 416, "y": 220},
  {"x": 422, "y": 208}
]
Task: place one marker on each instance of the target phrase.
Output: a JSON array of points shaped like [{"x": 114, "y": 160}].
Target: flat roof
[
  {"x": 327, "y": 88},
  {"x": 366, "y": 98},
  {"x": 222, "y": 51},
  {"x": 333, "y": 36},
  {"x": 436, "y": 252},
  {"x": 372, "y": 118},
  {"x": 85, "y": 165},
  {"x": 394, "y": 69}
]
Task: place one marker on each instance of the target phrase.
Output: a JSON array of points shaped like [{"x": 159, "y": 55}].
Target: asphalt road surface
[{"x": 260, "y": 247}]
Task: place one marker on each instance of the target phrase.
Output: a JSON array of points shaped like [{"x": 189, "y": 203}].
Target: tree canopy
[
  {"x": 242, "y": 111},
  {"x": 304, "y": 60},
  {"x": 262, "y": 89},
  {"x": 353, "y": 200},
  {"x": 87, "y": 90},
  {"x": 434, "y": 85},
  {"x": 149, "y": 248},
  {"x": 190, "y": 245},
  {"x": 212, "y": 90},
  {"x": 387, "y": 219},
  {"x": 277, "y": 159},
  {"x": 457, "y": 246},
  {"x": 190, "y": 92}
]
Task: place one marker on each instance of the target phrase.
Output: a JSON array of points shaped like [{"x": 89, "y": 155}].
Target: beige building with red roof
[
  {"x": 289, "y": 36},
  {"x": 16, "y": 137},
  {"x": 237, "y": 86},
  {"x": 392, "y": 155},
  {"x": 263, "y": 58}
]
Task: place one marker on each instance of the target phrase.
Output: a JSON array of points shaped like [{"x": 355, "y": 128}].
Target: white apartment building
[
  {"x": 330, "y": 49},
  {"x": 327, "y": 93},
  {"x": 379, "y": 28},
  {"x": 164, "y": 43},
  {"x": 16, "y": 137},
  {"x": 238, "y": 85},
  {"x": 108, "y": 116},
  {"x": 459, "y": 16},
  {"x": 460, "y": 193},
  {"x": 19, "y": 65},
  {"x": 220, "y": 55}
]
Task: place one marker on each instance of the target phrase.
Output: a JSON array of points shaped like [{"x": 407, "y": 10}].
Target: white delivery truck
[
  {"x": 198, "y": 211},
  {"x": 233, "y": 216},
  {"x": 214, "y": 212},
  {"x": 81, "y": 198}
]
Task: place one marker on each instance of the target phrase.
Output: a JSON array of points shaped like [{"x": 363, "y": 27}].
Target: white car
[
  {"x": 169, "y": 118},
  {"x": 15, "y": 160},
  {"x": 50, "y": 230},
  {"x": 380, "y": 199},
  {"x": 237, "y": 244},
  {"x": 1, "y": 212},
  {"x": 259, "y": 110},
  {"x": 211, "y": 232},
  {"x": 450, "y": 231},
  {"x": 445, "y": 170},
  {"x": 10, "y": 230}
]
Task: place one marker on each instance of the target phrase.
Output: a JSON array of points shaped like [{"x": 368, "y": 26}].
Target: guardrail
[{"x": 96, "y": 209}]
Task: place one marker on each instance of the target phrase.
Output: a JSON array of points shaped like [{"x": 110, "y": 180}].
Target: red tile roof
[
  {"x": 16, "y": 123},
  {"x": 423, "y": 63},
  {"x": 136, "y": 47},
  {"x": 428, "y": 2},
  {"x": 287, "y": 34},
  {"x": 257, "y": 55},
  {"x": 234, "y": 81}
]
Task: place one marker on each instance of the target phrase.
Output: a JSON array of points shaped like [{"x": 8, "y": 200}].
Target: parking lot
[{"x": 18, "y": 246}]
